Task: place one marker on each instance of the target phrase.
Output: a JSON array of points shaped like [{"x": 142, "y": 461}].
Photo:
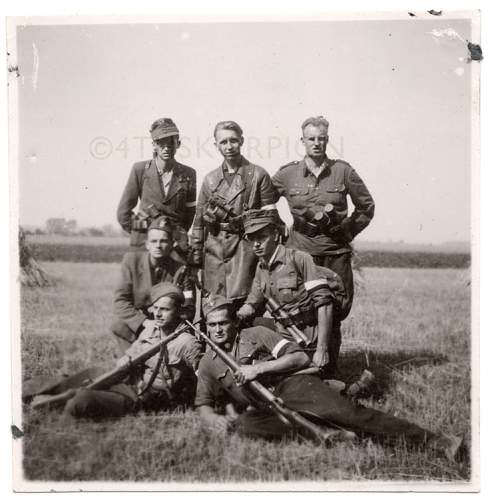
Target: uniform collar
[
  {"x": 161, "y": 171},
  {"x": 239, "y": 171},
  {"x": 277, "y": 256},
  {"x": 324, "y": 166}
]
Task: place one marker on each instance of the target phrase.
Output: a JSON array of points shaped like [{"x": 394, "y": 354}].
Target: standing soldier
[
  {"x": 163, "y": 186},
  {"x": 316, "y": 190},
  {"x": 140, "y": 271},
  {"x": 217, "y": 234}
]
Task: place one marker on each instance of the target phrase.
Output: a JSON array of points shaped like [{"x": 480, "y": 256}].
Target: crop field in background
[
  {"x": 411, "y": 327},
  {"x": 111, "y": 249}
]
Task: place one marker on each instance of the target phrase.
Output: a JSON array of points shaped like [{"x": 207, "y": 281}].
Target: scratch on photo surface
[{"x": 35, "y": 66}]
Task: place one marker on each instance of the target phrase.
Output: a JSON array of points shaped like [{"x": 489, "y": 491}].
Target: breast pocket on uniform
[
  {"x": 297, "y": 196},
  {"x": 287, "y": 288},
  {"x": 335, "y": 194}
]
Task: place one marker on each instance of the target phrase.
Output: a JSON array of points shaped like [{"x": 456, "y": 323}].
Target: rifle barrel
[
  {"x": 286, "y": 414},
  {"x": 109, "y": 378}
]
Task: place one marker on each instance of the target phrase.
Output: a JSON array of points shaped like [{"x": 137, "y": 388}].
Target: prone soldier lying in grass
[
  {"x": 165, "y": 381},
  {"x": 260, "y": 354}
]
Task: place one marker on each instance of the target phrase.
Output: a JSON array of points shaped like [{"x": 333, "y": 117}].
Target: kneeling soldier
[
  {"x": 299, "y": 294},
  {"x": 266, "y": 356},
  {"x": 139, "y": 272},
  {"x": 167, "y": 380}
]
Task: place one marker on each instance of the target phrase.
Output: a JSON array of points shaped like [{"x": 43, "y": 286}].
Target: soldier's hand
[
  {"x": 148, "y": 323},
  {"x": 245, "y": 311},
  {"x": 246, "y": 373},
  {"x": 321, "y": 357}
]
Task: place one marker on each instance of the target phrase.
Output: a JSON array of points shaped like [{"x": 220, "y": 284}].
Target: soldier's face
[
  {"x": 220, "y": 327},
  {"x": 315, "y": 140},
  {"x": 166, "y": 148},
  {"x": 229, "y": 143},
  {"x": 166, "y": 312},
  {"x": 264, "y": 242},
  {"x": 159, "y": 243}
]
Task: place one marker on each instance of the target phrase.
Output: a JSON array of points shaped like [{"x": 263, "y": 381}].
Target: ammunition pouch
[
  {"x": 315, "y": 227},
  {"x": 218, "y": 216},
  {"x": 302, "y": 225},
  {"x": 140, "y": 223},
  {"x": 298, "y": 315},
  {"x": 303, "y": 316}
]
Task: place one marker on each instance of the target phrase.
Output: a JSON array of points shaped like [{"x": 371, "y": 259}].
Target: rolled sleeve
[{"x": 315, "y": 282}]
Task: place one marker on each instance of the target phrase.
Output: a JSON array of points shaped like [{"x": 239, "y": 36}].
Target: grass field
[{"x": 411, "y": 326}]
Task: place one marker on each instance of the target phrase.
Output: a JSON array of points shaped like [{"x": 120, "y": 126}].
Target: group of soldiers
[{"x": 239, "y": 262}]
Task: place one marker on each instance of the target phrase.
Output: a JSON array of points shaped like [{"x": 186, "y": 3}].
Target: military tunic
[
  {"x": 144, "y": 184},
  {"x": 304, "y": 393},
  {"x": 228, "y": 259},
  {"x": 303, "y": 190},
  {"x": 299, "y": 286}
]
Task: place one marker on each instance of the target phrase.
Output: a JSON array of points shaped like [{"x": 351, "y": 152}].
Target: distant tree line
[{"x": 69, "y": 227}]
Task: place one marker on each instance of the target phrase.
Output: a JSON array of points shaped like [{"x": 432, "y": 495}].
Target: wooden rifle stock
[
  {"x": 275, "y": 404},
  {"x": 109, "y": 378}
]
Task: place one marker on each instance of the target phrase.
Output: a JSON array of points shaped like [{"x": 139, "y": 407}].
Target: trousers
[
  {"x": 310, "y": 396},
  {"x": 117, "y": 401},
  {"x": 342, "y": 265}
]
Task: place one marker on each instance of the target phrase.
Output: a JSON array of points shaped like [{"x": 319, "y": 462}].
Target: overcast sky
[{"x": 396, "y": 93}]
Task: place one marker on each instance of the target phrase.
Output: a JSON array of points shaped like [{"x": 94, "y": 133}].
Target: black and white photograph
[{"x": 246, "y": 251}]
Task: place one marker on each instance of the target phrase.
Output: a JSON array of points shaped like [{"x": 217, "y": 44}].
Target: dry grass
[{"x": 412, "y": 326}]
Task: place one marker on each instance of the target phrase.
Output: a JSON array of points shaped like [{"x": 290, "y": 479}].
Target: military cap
[
  {"x": 213, "y": 302},
  {"x": 162, "y": 223},
  {"x": 162, "y": 128},
  {"x": 166, "y": 290},
  {"x": 254, "y": 220}
]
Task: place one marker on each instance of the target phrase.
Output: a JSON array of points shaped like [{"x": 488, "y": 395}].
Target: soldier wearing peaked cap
[
  {"x": 309, "y": 296},
  {"x": 279, "y": 364},
  {"x": 316, "y": 189},
  {"x": 161, "y": 186},
  {"x": 166, "y": 381},
  {"x": 142, "y": 270}
]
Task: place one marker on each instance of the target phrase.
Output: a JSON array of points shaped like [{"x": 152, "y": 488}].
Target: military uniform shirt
[
  {"x": 181, "y": 357},
  {"x": 293, "y": 280},
  {"x": 337, "y": 180},
  {"x": 215, "y": 378}
]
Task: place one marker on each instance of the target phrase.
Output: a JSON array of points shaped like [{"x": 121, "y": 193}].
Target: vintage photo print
[{"x": 247, "y": 252}]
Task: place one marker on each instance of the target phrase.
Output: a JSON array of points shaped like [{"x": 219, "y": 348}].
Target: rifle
[
  {"x": 109, "y": 378},
  {"x": 275, "y": 404},
  {"x": 278, "y": 314}
]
